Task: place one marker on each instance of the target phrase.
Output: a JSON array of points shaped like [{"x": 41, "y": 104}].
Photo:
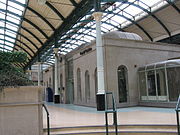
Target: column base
[
  {"x": 56, "y": 99},
  {"x": 100, "y": 100}
]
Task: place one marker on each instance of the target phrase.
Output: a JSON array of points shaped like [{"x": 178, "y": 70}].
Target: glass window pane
[
  {"x": 173, "y": 83},
  {"x": 151, "y": 83},
  {"x": 142, "y": 84},
  {"x": 161, "y": 82}
]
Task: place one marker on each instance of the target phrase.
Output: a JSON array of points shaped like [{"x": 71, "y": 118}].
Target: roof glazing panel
[{"x": 11, "y": 12}]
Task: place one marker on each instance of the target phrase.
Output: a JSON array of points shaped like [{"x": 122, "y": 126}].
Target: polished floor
[{"x": 67, "y": 115}]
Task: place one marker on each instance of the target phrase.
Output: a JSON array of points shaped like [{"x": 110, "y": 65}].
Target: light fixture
[{"x": 41, "y": 2}]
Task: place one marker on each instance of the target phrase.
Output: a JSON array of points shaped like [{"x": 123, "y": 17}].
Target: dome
[{"x": 122, "y": 35}]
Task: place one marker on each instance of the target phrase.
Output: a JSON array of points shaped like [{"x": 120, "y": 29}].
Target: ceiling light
[{"x": 41, "y": 2}]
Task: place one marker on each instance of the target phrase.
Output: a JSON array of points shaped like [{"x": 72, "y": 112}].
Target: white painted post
[
  {"x": 39, "y": 73},
  {"x": 99, "y": 53},
  {"x": 56, "y": 95}
]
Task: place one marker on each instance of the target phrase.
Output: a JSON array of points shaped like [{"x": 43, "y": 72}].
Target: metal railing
[
  {"x": 48, "y": 125},
  {"x": 177, "y": 114},
  {"x": 113, "y": 110}
]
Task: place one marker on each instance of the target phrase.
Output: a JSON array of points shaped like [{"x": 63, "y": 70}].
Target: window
[
  {"x": 79, "y": 93},
  {"x": 173, "y": 83},
  {"x": 122, "y": 83},
  {"x": 151, "y": 83},
  {"x": 87, "y": 86}
]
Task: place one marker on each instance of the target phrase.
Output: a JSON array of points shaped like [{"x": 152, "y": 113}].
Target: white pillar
[
  {"x": 39, "y": 73},
  {"x": 56, "y": 71},
  {"x": 99, "y": 53},
  {"x": 29, "y": 72}
]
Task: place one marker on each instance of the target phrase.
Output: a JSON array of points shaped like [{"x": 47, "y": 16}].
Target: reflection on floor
[{"x": 67, "y": 115}]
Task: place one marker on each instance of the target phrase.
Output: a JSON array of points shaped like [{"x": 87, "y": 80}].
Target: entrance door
[{"x": 122, "y": 83}]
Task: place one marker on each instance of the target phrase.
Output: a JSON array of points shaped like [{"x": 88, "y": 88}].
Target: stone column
[
  {"x": 100, "y": 97},
  {"x": 56, "y": 94}
]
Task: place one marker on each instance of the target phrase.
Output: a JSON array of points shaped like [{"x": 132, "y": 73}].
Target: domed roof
[{"x": 122, "y": 35}]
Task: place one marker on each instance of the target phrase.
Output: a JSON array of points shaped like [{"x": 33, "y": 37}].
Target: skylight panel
[
  {"x": 11, "y": 27},
  {"x": 2, "y": 15},
  {"x": 3, "y": 6},
  {"x": 8, "y": 48},
  {"x": 11, "y": 19},
  {"x": 11, "y": 12},
  {"x": 10, "y": 39},
  {"x": 17, "y": 6},
  {"x": 10, "y": 34},
  {"x": 1, "y": 36},
  {"x": 1, "y": 41},
  {"x": 8, "y": 43},
  {"x": 1, "y": 24},
  {"x": 19, "y": 12}
]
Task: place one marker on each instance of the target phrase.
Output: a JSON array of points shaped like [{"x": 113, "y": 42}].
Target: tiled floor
[{"x": 71, "y": 115}]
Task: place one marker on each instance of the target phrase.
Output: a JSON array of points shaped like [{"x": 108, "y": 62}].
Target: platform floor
[{"x": 67, "y": 115}]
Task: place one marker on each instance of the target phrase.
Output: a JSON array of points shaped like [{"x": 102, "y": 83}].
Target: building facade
[{"x": 124, "y": 54}]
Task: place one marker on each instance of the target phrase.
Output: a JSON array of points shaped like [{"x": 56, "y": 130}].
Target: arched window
[
  {"x": 122, "y": 83},
  {"x": 95, "y": 81},
  {"x": 87, "y": 86},
  {"x": 79, "y": 93}
]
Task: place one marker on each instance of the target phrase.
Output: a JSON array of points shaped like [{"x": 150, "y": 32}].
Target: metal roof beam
[
  {"x": 36, "y": 27},
  {"x": 55, "y": 10},
  {"x": 16, "y": 49},
  {"x": 150, "y": 13},
  {"x": 32, "y": 35},
  {"x": 75, "y": 15},
  {"x": 22, "y": 36},
  {"x": 132, "y": 21},
  {"x": 20, "y": 42},
  {"x": 25, "y": 30},
  {"x": 74, "y": 3},
  {"x": 40, "y": 16},
  {"x": 173, "y": 5}
]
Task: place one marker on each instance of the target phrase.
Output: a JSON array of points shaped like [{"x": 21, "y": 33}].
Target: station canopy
[{"x": 35, "y": 26}]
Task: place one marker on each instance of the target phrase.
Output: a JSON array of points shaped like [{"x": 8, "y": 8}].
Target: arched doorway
[
  {"x": 87, "y": 86},
  {"x": 79, "y": 93},
  {"x": 122, "y": 83}
]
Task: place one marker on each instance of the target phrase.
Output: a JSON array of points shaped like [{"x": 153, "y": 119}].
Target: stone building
[{"x": 124, "y": 54}]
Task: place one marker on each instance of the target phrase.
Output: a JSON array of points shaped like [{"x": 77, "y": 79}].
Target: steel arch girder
[
  {"x": 20, "y": 42},
  {"x": 40, "y": 16},
  {"x": 22, "y": 36},
  {"x": 147, "y": 34}
]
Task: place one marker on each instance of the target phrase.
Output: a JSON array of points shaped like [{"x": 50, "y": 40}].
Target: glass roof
[
  {"x": 116, "y": 16},
  {"x": 11, "y": 12},
  {"x": 159, "y": 65}
]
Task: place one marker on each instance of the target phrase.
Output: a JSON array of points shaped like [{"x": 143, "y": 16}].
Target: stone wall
[{"x": 21, "y": 111}]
